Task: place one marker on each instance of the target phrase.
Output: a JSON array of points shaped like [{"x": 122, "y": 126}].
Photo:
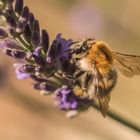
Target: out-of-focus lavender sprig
[{"x": 47, "y": 63}]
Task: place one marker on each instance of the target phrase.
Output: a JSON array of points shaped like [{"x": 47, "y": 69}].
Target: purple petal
[{"x": 20, "y": 75}]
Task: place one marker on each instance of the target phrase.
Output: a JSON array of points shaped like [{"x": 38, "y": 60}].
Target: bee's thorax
[{"x": 100, "y": 55}]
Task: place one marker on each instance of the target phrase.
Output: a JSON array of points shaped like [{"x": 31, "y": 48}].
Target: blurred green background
[{"x": 26, "y": 115}]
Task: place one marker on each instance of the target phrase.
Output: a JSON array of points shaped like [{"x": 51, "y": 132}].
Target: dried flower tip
[
  {"x": 45, "y": 41},
  {"x": 18, "y": 7}
]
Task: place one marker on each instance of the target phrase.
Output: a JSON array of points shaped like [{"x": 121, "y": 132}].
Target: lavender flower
[
  {"x": 18, "y": 54},
  {"x": 58, "y": 48},
  {"x": 67, "y": 100},
  {"x": 47, "y": 63},
  {"x": 19, "y": 71},
  {"x": 12, "y": 48}
]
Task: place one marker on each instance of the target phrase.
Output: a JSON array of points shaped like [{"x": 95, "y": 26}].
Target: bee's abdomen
[{"x": 104, "y": 85}]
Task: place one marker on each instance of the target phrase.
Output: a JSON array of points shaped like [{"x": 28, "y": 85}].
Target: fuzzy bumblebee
[{"x": 97, "y": 68}]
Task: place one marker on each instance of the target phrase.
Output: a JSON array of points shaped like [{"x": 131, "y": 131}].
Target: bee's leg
[
  {"x": 76, "y": 76},
  {"x": 79, "y": 73},
  {"x": 88, "y": 80},
  {"x": 59, "y": 74}
]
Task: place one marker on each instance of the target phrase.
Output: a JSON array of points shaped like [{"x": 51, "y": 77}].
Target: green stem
[
  {"x": 120, "y": 119},
  {"x": 22, "y": 42}
]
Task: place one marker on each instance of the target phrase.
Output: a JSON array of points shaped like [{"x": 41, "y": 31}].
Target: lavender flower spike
[{"x": 50, "y": 65}]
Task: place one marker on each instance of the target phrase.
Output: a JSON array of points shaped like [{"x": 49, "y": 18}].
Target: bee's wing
[
  {"x": 104, "y": 103},
  {"x": 101, "y": 92},
  {"x": 129, "y": 65}
]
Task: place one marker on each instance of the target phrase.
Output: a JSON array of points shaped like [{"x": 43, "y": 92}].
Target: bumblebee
[{"x": 97, "y": 68}]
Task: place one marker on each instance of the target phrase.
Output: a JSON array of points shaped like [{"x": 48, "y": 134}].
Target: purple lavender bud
[
  {"x": 26, "y": 68},
  {"x": 53, "y": 52},
  {"x": 66, "y": 99},
  {"x": 37, "y": 56},
  {"x": 39, "y": 80},
  {"x": 25, "y": 15},
  {"x": 19, "y": 7},
  {"x": 18, "y": 54},
  {"x": 9, "y": 6},
  {"x": 44, "y": 86},
  {"x": 36, "y": 27},
  {"x": 35, "y": 39},
  {"x": 45, "y": 41},
  {"x": 23, "y": 20},
  {"x": 37, "y": 51},
  {"x": 58, "y": 50},
  {"x": 10, "y": 43},
  {"x": 3, "y": 33},
  {"x": 11, "y": 24},
  {"x": 31, "y": 20},
  {"x": 20, "y": 75},
  {"x": 27, "y": 34},
  {"x": 39, "y": 60},
  {"x": 12, "y": 48},
  {"x": 64, "y": 45}
]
